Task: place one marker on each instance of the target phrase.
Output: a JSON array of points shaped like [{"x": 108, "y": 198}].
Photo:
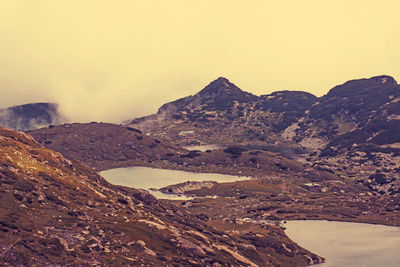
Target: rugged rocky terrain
[
  {"x": 58, "y": 212},
  {"x": 104, "y": 146},
  {"x": 31, "y": 116},
  {"x": 300, "y": 189},
  {"x": 267, "y": 200},
  {"x": 360, "y": 124},
  {"x": 223, "y": 113},
  {"x": 353, "y": 130}
]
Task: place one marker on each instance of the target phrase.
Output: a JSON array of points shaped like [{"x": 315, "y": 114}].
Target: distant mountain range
[
  {"x": 353, "y": 130},
  {"x": 222, "y": 112},
  {"x": 222, "y": 108},
  {"x": 355, "y": 125},
  {"x": 31, "y": 116}
]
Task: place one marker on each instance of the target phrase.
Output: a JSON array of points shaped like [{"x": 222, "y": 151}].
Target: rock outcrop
[{"x": 183, "y": 188}]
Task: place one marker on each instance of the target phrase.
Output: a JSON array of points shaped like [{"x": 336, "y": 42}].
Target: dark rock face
[
  {"x": 362, "y": 86},
  {"x": 221, "y": 94},
  {"x": 30, "y": 116},
  {"x": 357, "y": 103},
  {"x": 218, "y": 95},
  {"x": 371, "y": 105},
  {"x": 290, "y": 105},
  {"x": 284, "y": 101}
]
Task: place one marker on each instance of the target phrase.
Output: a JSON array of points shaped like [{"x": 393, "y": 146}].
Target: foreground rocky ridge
[{"x": 62, "y": 212}]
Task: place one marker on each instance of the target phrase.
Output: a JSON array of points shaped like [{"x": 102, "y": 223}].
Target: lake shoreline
[
  {"x": 267, "y": 185},
  {"x": 347, "y": 243},
  {"x": 186, "y": 199}
]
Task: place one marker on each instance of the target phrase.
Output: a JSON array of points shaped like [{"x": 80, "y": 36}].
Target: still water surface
[
  {"x": 146, "y": 178},
  {"x": 348, "y": 244}
]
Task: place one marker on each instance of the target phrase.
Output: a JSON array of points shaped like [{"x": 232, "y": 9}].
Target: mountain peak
[
  {"x": 221, "y": 93},
  {"x": 218, "y": 86},
  {"x": 384, "y": 79},
  {"x": 361, "y": 86},
  {"x": 223, "y": 79}
]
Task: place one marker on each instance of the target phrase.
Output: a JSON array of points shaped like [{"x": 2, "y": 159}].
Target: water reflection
[
  {"x": 146, "y": 178},
  {"x": 348, "y": 244}
]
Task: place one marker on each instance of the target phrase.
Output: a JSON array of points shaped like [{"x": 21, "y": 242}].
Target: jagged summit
[
  {"x": 218, "y": 86},
  {"x": 220, "y": 94},
  {"x": 223, "y": 87}
]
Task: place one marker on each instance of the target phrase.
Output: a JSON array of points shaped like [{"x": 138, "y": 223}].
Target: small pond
[{"x": 146, "y": 178}]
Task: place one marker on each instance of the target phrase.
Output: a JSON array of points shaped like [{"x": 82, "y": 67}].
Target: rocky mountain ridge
[
  {"x": 223, "y": 113},
  {"x": 31, "y": 116},
  {"x": 355, "y": 125}
]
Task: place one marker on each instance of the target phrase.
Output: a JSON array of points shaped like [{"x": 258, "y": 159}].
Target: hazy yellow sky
[{"x": 110, "y": 60}]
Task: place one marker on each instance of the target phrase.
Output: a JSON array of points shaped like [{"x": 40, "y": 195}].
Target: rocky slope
[
  {"x": 365, "y": 108},
  {"x": 357, "y": 125},
  {"x": 104, "y": 145},
  {"x": 30, "y": 116},
  {"x": 58, "y": 212}
]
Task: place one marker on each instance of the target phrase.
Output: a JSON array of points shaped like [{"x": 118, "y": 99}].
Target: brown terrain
[
  {"x": 335, "y": 157},
  {"x": 284, "y": 188},
  {"x": 58, "y": 212},
  {"x": 104, "y": 145}
]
